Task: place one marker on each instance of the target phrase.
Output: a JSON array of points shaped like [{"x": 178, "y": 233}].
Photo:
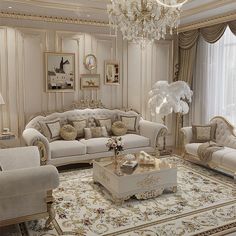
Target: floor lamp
[{"x": 165, "y": 98}]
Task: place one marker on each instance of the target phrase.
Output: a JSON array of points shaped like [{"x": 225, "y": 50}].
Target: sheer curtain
[{"x": 215, "y": 80}]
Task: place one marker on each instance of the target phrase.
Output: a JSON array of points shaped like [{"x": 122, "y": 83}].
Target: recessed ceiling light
[
  {"x": 10, "y": 7},
  {"x": 88, "y": 15}
]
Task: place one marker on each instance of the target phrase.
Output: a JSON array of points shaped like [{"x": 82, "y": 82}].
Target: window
[{"x": 215, "y": 80}]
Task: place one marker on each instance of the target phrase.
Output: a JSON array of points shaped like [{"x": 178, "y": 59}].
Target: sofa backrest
[
  {"x": 225, "y": 132},
  {"x": 80, "y": 114}
]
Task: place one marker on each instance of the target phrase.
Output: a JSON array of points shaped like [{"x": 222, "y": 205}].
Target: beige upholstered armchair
[{"x": 25, "y": 186}]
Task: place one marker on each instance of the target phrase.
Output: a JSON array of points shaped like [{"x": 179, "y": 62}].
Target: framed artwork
[
  {"x": 90, "y": 81},
  {"x": 60, "y": 72},
  {"x": 90, "y": 62},
  {"x": 112, "y": 73}
]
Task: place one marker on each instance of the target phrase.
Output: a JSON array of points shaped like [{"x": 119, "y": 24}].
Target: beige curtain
[{"x": 187, "y": 51}]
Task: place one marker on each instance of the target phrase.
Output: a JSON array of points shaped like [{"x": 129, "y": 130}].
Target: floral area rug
[{"x": 204, "y": 204}]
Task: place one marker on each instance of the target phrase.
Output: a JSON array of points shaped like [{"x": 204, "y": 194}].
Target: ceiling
[{"x": 95, "y": 10}]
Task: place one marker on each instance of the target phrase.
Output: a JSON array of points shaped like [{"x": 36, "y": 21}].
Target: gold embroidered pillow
[
  {"x": 79, "y": 125},
  {"x": 203, "y": 133},
  {"x": 106, "y": 122},
  {"x": 68, "y": 132},
  {"x": 130, "y": 122},
  {"x": 119, "y": 128},
  {"x": 51, "y": 129},
  {"x": 95, "y": 132}
]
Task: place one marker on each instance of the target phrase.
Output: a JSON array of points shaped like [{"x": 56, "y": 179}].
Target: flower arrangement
[{"x": 116, "y": 144}]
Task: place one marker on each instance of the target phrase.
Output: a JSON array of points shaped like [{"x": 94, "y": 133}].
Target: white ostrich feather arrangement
[{"x": 165, "y": 98}]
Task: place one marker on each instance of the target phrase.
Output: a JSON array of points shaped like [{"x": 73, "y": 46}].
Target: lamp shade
[{"x": 1, "y": 100}]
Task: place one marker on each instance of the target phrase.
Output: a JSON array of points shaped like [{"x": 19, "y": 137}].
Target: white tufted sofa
[
  {"x": 63, "y": 152},
  {"x": 222, "y": 160}
]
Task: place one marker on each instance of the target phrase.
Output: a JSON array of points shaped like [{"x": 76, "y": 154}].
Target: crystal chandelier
[{"x": 144, "y": 20}]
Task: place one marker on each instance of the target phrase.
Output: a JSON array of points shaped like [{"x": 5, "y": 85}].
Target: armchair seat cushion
[
  {"x": 62, "y": 148},
  {"x": 135, "y": 141},
  {"x": 191, "y": 148}
]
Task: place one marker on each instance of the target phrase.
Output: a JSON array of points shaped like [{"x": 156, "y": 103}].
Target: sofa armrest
[
  {"x": 29, "y": 180},
  {"x": 152, "y": 131},
  {"x": 187, "y": 134},
  {"x": 33, "y": 137}
]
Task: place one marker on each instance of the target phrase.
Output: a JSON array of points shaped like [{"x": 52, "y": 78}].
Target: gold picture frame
[
  {"x": 90, "y": 62},
  {"x": 89, "y": 81},
  {"x": 112, "y": 73},
  {"x": 60, "y": 72}
]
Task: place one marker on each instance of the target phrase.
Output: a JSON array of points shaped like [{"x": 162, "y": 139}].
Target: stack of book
[{"x": 129, "y": 166}]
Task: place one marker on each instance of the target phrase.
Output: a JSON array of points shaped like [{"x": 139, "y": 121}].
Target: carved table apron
[{"x": 145, "y": 182}]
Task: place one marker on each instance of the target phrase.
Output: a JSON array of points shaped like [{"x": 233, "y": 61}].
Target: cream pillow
[
  {"x": 79, "y": 125},
  {"x": 130, "y": 122},
  {"x": 106, "y": 122},
  {"x": 51, "y": 129},
  {"x": 95, "y": 132}
]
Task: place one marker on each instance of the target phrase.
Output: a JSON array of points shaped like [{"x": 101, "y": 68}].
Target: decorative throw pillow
[
  {"x": 79, "y": 125},
  {"x": 95, "y": 132},
  {"x": 51, "y": 129},
  {"x": 119, "y": 128},
  {"x": 68, "y": 132},
  {"x": 106, "y": 122},
  {"x": 130, "y": 122},
  {"x": 91, "y": 122},
  {"x": 203, "y": 133}
]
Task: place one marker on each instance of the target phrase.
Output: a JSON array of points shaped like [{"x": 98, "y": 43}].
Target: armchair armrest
[
  {"x": 33, "y": 137},
  {"x": 152, "y": 131},
  {"x": 187, "y": 134},
  {"x": 19, "y": 157},
  {"x": 29, "y": 180}
]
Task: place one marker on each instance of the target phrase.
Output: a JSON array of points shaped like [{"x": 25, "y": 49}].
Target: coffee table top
[{"x": 141, "y": 168}]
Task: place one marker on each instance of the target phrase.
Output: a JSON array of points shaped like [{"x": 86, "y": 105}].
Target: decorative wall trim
[
  {"x": 230, "y": 16},
  {"x": 52, "y": 19}
]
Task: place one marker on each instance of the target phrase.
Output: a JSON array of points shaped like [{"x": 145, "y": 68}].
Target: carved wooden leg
[
  {"x": 157, "y": 151},
  {"x": 50, "y": 209}
]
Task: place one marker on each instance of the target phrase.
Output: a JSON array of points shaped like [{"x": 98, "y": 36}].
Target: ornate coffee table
[{"x": 145, "y": 181}]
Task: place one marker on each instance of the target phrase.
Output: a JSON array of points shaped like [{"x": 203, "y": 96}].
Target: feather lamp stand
[
  {"x": 164, "y": 151},
  {"x": 165, "y": 99}
]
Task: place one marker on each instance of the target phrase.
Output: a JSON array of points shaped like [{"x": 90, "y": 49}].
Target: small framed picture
[
  {"x": 90, "y": 62},
  {"x": 90, "y": 81},
  {"x": 112, "y": 73},
  {"x": 60, "y": 72}
]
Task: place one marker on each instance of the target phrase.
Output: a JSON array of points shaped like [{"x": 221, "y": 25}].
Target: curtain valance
[{"x": 211, "y": 34}]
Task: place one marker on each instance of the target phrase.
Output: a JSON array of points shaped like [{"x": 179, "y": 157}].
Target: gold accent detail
[
  {"x": 50, "y": 210},
  {"x": 42, "y": 152},
  {"x": 52, "y": 19},
  {"x": 150, "y": 194},
  {"x": 230, "y": 16}
]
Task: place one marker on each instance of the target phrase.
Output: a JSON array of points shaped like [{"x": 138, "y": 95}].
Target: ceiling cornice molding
[
  {"x": 205, "y": 7},
  {"x": 230, "y": 16},
  {"x": 52, "y": 19},
  {"x": 60, "y": 6}
]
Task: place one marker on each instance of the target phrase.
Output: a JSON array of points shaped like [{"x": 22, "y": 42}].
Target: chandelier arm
[{"x": 172, "y": 5}]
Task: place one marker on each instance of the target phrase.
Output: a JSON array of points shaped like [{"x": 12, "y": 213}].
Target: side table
[{"x": 6, "y": 137}]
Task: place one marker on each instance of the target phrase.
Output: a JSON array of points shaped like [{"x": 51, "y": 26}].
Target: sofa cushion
[
  {"x": 226, "y": 158},
  {"x": 191, "y": 148},
  {"x": 51, "y": 129},
  {"x": 106, "y": 122},
  {"x": 135, "y": 141},
  {"x": 79, "y": 125},
  {"x": 95, "y": 145},
  {"x": 203, "y": 133},
  {"x": 62, "y": 148}
]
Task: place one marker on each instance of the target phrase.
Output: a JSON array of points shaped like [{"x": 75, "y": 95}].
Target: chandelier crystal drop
[{"x": 144, "y": 20}]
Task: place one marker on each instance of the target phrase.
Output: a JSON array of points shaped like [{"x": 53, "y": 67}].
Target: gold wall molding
[
  {"x": 52, "y": 19},
  {"x": 208, "y": 22}
]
